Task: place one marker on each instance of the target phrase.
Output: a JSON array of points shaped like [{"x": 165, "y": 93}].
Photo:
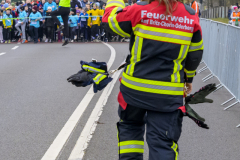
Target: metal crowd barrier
[{"x": 222, "y": 56}]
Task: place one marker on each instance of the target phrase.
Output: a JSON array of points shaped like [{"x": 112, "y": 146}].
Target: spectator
[
  {"x": 60, "y": 34},
  {"x": 100, "y": 4},
  {"x": 29, "y": 5},
  {"x": 22, "y": 22},
  {"x": 7, "y": 26},
  {"x": 100, "y": 22},
  {"x": 57, "y": 3},
  {"x": 235, "y": 15},
  {"x": 195, "y": 6},
  {"x": 1, "y": 26},
  {"x": 34, "y": 18},
  {"x": 8, "y": 2},
  {"x": 20, "y": 4},
  {"x": 13, "y": 6},
  {"x": 2, "y": 3},
  {"x": 230, "y": 12},
  {"x": 35, "y": 1},
  {"x": 41, "y": 3},
  {"x": 87, "y": 26},
  {"x": 40, "y": 29},
  {"x": 84, "y": 26},
  {"x": 35, "y": 4},
  {"x": 51, "y": 4},
  {"x": 27, "y": 24},
  {"x": 78, "y": 26},
  {"x": 94, "y": 22},
  {"x": 4, "y": 7},
  {"x": 89, "y": 22},
  {"x": 49, "y": 25},
  {"x": 73, "y": 18},
  {"x": 75, "y": 3},
  {"x": 84, "y": 3}
]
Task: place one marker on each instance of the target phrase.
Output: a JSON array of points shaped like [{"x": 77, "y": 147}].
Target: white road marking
[
  {"x": 2, "y": 53},
  {"x": 63, "y": 136},
  {"x": 15, "y": 47},
  {"x": 86, "y": 135}
]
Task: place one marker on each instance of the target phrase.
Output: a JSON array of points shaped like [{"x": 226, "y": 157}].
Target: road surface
[{"x": 44, "y": 117}]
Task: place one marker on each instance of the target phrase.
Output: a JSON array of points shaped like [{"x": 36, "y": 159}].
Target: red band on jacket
[
  {"x": 121, "y": 101},
  {"x": 183, "y": 109}
]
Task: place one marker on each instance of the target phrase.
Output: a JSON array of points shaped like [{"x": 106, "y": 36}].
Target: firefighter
[{"x": 165, "y": 44}]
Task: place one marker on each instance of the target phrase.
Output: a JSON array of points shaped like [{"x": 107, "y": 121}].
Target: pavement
[{"x": 37, "y": 101}]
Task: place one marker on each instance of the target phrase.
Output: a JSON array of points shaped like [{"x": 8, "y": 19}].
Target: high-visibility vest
[
  {"x": 65, "y": 3},
  {"x": 195, "y": 7},
  {"x": 236, "y": 15}
]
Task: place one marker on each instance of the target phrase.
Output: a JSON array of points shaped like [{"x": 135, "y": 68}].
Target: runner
[{"x": 63, "y": 10}]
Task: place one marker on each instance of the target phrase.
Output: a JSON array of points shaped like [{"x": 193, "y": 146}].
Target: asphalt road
[{"x": 36, "y": 101}]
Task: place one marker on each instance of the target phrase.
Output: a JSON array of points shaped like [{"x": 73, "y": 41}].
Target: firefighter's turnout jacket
[{"x": 162, "y": 48}]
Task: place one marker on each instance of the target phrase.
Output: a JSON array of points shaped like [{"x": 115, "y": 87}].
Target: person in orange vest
[
  {"x": 235, "y": 14},
  {"x": 195, "y": 7}
]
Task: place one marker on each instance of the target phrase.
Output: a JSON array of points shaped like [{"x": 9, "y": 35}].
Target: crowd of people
[{"x": 31, "y": 21}]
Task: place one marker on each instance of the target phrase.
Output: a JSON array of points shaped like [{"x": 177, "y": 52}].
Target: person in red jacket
[{"x": 166, "y": 48}]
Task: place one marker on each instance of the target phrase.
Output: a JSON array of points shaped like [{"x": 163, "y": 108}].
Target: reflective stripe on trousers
[
  {"x": 175, "y": 147},
  {"x": 131, "y": 146}
]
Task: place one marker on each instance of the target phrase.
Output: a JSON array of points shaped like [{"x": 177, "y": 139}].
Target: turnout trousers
[{"x": 163, "y": 130}]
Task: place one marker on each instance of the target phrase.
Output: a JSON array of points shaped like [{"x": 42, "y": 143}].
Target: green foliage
[{"x": 223, "y": 20}]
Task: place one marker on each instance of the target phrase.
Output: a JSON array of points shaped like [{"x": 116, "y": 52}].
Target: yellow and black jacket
[
  {"x": 95, "y": 13},
  {"x": 163, "y": 49},
  {"x": 89, "y": 19}
]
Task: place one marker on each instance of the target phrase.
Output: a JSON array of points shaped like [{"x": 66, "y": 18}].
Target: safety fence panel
[
  {"x": 222, "y": 53},
  {"x": 232, "y": 80}
]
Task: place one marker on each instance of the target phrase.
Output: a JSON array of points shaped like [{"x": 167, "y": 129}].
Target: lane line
[
  {"x": 2, "y": 53},
  {"x": 15, "y": 47},
  {"x": 59, "y": 142},
  {"x": 87, "y": 133}
]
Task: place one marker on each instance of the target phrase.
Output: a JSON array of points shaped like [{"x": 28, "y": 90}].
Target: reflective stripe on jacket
[{"x": 163, "y": 48}]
